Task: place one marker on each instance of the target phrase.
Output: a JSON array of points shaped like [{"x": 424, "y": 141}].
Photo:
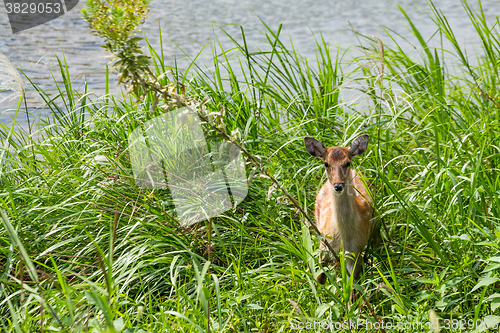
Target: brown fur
[{"x": 343, "y": 217}]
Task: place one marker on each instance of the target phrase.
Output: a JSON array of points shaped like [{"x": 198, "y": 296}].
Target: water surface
[{"x": 190, "y": 25}]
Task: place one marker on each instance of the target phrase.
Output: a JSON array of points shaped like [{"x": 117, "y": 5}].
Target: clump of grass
[{"x": 84, "y": 249}]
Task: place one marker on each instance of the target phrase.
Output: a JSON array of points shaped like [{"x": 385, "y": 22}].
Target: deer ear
[
  {"x": 314, "y": 147},
  {"x": 359, "y": 145}
]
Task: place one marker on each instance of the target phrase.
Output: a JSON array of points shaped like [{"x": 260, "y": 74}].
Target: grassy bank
[{"x": 83, "y": 248}]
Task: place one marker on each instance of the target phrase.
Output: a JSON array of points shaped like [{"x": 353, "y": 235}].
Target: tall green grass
[{"x": 82, "y": 248}]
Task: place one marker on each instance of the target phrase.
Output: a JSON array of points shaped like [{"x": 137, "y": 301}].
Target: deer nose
[{"x": 339, "y": 187}]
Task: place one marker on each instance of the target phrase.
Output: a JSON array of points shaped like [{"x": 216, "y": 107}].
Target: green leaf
[
  {"x": 497, "y": 259},
  {"x": 15, "y": 239},
  {"x": 253, "y": 307},
  {"x": 491, "y": 266},
  {"x": 321, "y": 309},
  {"x": 118, "y": 324},
  {"x": 484, "y": 282},
  {"x": 495, "y": 301}
]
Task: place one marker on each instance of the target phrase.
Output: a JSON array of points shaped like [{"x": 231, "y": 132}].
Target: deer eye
[
  {"x": 348, "y": 164},
  {"x": 326, "y": 165}
]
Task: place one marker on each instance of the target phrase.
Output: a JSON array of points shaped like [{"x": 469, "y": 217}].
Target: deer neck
[{"x": 344, "y": 212}]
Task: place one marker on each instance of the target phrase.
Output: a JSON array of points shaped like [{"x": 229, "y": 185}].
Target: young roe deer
[{"x": 343, "y": 209}]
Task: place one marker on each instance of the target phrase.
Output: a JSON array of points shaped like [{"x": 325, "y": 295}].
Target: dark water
[{"x": 191, "y": 24}]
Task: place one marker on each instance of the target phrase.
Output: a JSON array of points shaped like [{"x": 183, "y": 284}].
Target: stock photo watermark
[
  {"x": 358, "y": 324},
  {"x": 26, "y": 14},
  {"x": 171, "y": 151}
]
